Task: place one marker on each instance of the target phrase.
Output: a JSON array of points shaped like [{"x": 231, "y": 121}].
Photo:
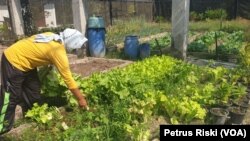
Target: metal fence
[
  {"x": 62, "y": 12},
  {"x": 110, "y": 10},
  {"x": 113, "y": 10},
  {"x": 54, "y": 13},
  {"x": 121, "y": 9},
  {"x": 233, "y": 8}
]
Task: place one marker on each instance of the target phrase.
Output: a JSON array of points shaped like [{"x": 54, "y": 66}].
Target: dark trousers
[{"x": 17, "y": 87}]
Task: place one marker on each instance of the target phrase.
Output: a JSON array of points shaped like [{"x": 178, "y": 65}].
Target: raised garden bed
[{"x": 87, "y": 66}]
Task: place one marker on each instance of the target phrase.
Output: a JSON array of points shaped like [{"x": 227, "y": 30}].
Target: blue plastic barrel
[
  {"x": 131, "y": 48},
  {"x": 97, "y": 48},
  {"x": 96, "y": 42},
  {"x": 144, "y": 50},
  {"x": 96, "y": 22},
  {"x": 98, "y": 33}
]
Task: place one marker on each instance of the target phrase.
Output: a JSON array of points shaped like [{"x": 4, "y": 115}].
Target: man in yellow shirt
[{"x": 20, "y": 82}]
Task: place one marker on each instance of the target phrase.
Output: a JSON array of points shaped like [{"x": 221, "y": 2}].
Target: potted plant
[
  {"x": 236, "y": 115},
  {"x": 223, "y": 94},
  {"x": 218, "y": 116}
]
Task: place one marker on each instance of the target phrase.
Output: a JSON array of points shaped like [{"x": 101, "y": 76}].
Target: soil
[
  {"x": 245, "y": 100},
  {"x": 225, "y": 105},
  {"x": 241, "y": 104},
  {"x": 99, "y": 65},
  {"x": 237, "y": 110},
  {"x": 219, "y": 111}
]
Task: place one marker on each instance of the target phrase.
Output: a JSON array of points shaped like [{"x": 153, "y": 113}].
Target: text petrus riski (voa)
[
  {"x": 197, "y": 132},
  {"x": 207, "y": 132}
]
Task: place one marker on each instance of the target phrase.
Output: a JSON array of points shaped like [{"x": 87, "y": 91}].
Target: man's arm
[
  {"x": 82, "y": 102},
  {"x": 60, "y": 60}
]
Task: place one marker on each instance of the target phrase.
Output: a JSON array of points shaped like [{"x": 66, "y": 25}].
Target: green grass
[
  {"x": 139, "y": 26},
  {"x": 228, "y": 26},
  {"x": 136, "y": 26}
]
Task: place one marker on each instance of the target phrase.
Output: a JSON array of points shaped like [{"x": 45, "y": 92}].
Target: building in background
[{"x": 3, "y": 10}]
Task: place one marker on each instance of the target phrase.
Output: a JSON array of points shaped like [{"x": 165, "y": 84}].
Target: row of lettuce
[
  {"x": 227, "y": 43},
  {"x": 123, "y": 101}
]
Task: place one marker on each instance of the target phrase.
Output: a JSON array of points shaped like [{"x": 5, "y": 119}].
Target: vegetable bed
[
  {"x": 123, "y": 101},
  {"x": 218, "y": 45}
]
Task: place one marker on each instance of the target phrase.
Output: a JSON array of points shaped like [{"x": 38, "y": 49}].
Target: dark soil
[
  {"x": 93, "y": 66},
  {"x": 237, "y": 110},
  {"x": 224, "y": 105},
  {"x": 219, "y": 111},
  {"x": 241, "y": 104}
]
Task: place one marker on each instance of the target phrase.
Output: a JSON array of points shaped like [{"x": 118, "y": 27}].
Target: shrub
[
  {"x": 208, "y": 14},
  {"x": 55, "y": 29},
  {"x": 194, "y": 16},
  {"x": 159, "y": 19},
  {"x": 216, "y": 14}
]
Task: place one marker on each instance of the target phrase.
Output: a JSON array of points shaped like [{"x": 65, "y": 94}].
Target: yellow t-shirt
[{"x": 26, "y": 55}]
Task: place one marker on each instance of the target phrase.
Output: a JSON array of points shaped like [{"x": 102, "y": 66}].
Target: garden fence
[{"x": 113, "y": 10}]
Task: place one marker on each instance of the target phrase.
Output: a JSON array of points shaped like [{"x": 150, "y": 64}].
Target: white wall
[
  {"x": 50, "y": 15},
  {"x": 3, "y": 12}
]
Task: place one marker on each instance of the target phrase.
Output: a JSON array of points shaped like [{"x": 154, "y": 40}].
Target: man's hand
[{"x": 82, "y": 102}]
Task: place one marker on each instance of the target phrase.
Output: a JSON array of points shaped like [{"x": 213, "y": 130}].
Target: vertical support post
[
  {"x": 180, "y": 20},
  {"x": 16, "y": 17},
  {"x": 79, "y": 15},
  {"x": 216, "y": 45}
]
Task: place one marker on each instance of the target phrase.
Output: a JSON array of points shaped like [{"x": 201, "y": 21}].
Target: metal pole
[
  {"x": 216, "y": 46},
  {"x": 110, "y": 12},
  {"x": 134, "y": 8},
  {"x": 236, "y": 9}
]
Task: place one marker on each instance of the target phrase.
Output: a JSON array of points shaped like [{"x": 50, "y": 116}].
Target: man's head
[{"x": 73, "y": 39}]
